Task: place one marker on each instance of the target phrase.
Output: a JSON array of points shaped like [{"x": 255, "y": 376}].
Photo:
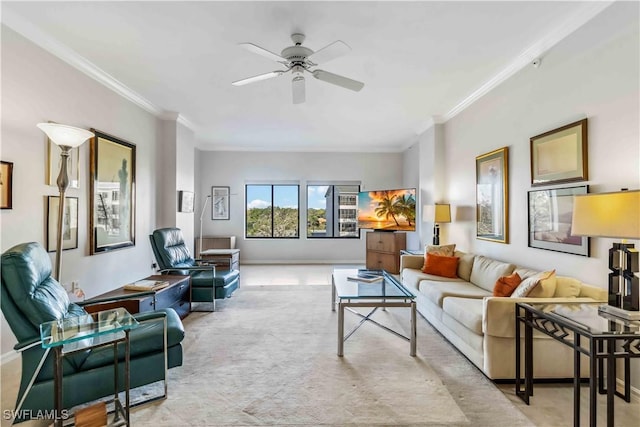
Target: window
[
  {"x": 332, "y": 211},
  {"x": 272, "y": 211}
]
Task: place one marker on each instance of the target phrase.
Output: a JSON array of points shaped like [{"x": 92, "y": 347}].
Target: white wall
[
  {"x": 185, "y": 164},
  {"x": 594, "y": 73},
  {"x": 235, "y": 169},
  {"x": 37, "y": 87}
]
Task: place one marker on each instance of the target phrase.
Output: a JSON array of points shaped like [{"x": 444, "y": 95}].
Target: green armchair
[
  {"x": 174, "y": 257},
  {"x": 29, "y": 296}
]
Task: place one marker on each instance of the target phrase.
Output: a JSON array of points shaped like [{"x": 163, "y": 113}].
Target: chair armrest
[
  {"x": 114, "y": 299},
  {"x": 196, "y": 268},
  {"x": 150, "y": 315},
  {"x": 26, "y": 345},
  {"x": 411, "y": 261}
]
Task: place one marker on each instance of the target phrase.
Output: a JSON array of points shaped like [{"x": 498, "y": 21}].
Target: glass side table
[{"x": 79, "y": 333}]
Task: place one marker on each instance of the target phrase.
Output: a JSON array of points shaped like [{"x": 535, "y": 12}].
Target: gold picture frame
[
  {"x": 492, "y": 196},
  {"x": 70, "y": 234},
  {"x": 6, "y": 185},
  {"x": 112, "y": 198},
  {"x": 560, "y": 155}
]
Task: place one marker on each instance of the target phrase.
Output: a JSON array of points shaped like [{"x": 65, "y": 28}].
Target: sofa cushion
[
  {"x": 465, "y": 263},
  {"x": 525, "y": 273},
  {"x": 506, "y": 285},
  {"x": 411, "y": 277},
  {"x": 445, "y": 266},
  {"x": 487, "y": 271},
  {"x": 436, "y": 291},
  {"x": 467, "y": 311},
  {"x": 542, "y": 285},
  {"x": 444, "y": 250},
  {"x": 567, "y": 287}
]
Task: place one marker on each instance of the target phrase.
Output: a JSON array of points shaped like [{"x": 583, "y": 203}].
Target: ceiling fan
[{"x": 298, "y": 60}]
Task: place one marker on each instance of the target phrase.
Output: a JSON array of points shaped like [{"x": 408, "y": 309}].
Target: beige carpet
[{"x": 268, "y": 357}]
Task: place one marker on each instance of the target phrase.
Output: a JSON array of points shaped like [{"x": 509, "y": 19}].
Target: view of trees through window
[
  {"x": 332, "y": 211},
  {"x": 272, "y": 211}
]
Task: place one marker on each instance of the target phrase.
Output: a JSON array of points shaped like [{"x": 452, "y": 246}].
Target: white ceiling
[{"x": 420, "y": 62}]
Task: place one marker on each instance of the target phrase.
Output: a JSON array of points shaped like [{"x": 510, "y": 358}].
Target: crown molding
[
  {"x": 48, "y": 43},
  {"x": 588, "y": 11}
]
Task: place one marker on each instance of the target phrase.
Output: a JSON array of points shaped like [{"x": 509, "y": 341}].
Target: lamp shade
[
  {"x": 64, "y": 135},
  {"x": 615, "y": 215},
  {"x": 438, "y": 213}
]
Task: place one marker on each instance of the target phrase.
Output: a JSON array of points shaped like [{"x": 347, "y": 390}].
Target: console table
[
  {"x": 177, "y": 296},
  {"x": 600, "y": 336}
]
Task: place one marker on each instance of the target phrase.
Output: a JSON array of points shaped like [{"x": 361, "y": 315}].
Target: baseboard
[{"x": 635, "y": 392}]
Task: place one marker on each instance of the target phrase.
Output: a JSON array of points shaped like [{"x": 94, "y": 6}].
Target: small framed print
[
  {"x": 219, "y": 202},
  {"x": 185, "y": 201},
  {"x": 560, "y": 155},
  {"x": 69, "y": 223},
  {"x": 6, "y": 185}
]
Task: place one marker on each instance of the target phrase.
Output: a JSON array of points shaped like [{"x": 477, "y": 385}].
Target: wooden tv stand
[{"x": 383, "y": 250}]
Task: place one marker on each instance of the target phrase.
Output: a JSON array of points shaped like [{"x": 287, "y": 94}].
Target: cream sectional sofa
[{"x": 481, "y": 326}]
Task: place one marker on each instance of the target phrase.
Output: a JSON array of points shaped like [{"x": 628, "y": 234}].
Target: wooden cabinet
[
  {"x": 177, "y": 296},
  {"x": 383, "y": 250}
]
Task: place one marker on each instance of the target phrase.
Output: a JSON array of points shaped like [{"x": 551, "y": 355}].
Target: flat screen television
[{"x": 387, "y": 210}]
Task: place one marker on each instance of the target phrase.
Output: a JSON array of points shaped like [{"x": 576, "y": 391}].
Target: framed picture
[
  {"x": 492, "y": 196},
  {"x": 219, "y": 202},
  {"x": 54, "y": 163},
  {"x": 185, "y": 201},
  {"x": 560, "y": 155},
  {"x": 112, "y": 200},
  {"x": 6, "y": 185},
  {"x": 69, "y": 223},
  {"x": 550, "y": 213}
]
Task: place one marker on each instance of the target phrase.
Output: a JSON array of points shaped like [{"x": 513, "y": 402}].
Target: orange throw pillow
[
  {"x": 438, "y": 265},
  {"x": 505, "y": 285}
]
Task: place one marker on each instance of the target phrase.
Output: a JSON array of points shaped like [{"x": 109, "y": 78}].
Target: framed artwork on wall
[
  {"x": 550, "y": 214},
  {"x": 560, "y": 155},
  {"x": 70, "y": 223},
  {"x": 6, "y": 185},
  {"x": 185, "y": 201},
  {"x": 492, "y": 196},
  {"x": 219, "y": 202},
  {"x": 112, "y": 193}
]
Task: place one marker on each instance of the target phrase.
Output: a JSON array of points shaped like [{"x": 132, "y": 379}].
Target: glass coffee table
[{"x": 348, "y": 294}]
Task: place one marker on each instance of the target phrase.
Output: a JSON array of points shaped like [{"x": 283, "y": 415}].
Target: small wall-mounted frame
[
  {"x": 220, "y": 202},
  {"x": 6, "y": 185},
  {"x": 185, "y": 201},
  {"x": 54, "y": 163},
  {"x": 550, "y": 214},
  {"x": 492, "y": 196},
  {"x": 560, "y": 155},
  {"x": 112, "y": 201},
  {"x": 70, "y": 223}
]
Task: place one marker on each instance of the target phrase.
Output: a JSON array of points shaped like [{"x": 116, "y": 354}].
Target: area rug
[{"x": 268, "y": 357}]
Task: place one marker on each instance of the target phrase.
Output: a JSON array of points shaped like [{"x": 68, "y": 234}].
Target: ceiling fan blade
[
  {"x": 257, "y": 78},
  {"x": 329, "y": 52},
  {"x": 335, "y": 79},
  {"x": 297, "y": 85},
  {"x": 264, "y": 52}
]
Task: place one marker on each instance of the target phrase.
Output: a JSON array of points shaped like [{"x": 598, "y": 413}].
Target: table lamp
[
  {"x": 614, "y": 215},
  {"x": 439, "y": 214},
  {"x": 66, "y": 137}
]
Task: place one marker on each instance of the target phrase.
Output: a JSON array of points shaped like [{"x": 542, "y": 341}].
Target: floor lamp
[
  {"x": 201, "y": 215},
  {"x": 67, "y": 138}
]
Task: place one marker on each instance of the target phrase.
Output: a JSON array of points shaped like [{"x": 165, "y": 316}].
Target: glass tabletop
[
  {"x": 587, "y": 316},
  {"x": 87, "y": 330},
  {"x": 348, "y": 288}
]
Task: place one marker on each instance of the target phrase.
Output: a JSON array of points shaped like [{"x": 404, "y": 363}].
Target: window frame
[
  {"x": 272, "y": 185},
  {"x": 334, "y": 184}
]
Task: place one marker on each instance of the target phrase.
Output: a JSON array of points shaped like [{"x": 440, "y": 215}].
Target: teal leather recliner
[
  {"x": 174, "y": 257},
  {"x": 30, "y": 296}
]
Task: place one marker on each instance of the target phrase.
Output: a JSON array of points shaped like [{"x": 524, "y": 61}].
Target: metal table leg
[{"x": 340, "y": 329}]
